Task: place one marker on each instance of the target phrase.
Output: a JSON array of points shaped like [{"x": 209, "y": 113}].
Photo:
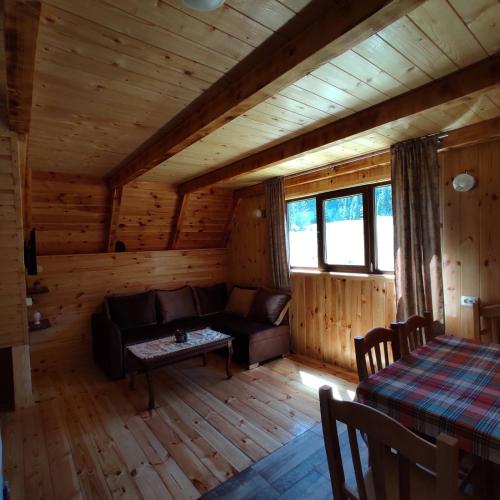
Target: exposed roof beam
[
  {"x": 21, "y": 20},
  {"x": 336, "y": 27},
  {"x": 473, "y": 78}
]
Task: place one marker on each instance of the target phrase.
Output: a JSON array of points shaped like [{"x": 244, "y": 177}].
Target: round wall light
[
  {"x": 203, "y": 5},
  {"x": 464, "y": 182}
]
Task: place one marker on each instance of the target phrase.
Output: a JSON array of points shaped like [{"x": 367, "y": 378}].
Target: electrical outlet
[
  {"x": 467, "y": 300},
  {"x": 29, "y": 301}
]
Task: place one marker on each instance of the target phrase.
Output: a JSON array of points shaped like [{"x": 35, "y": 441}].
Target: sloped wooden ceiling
[
  {"x": 433, "y": 40},
  {"x": 110, "y": 73}
]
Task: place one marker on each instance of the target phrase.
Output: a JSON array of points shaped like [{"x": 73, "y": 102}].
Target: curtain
[
  {"x": 276, "y": 224},
  {"x": 417, "y": 238}
]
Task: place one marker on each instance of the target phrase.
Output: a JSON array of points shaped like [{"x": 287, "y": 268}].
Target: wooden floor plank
[{"x": 92, "y": 438}]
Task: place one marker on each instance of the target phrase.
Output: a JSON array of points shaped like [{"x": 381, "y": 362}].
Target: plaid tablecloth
[{"x": 450, "y": 385}]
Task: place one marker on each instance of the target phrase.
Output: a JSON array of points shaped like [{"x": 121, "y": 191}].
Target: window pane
[
  {"x": 384, "y": 228},
  {"x": 302, "y": 233},
  {"x": 344, "y": 231}
]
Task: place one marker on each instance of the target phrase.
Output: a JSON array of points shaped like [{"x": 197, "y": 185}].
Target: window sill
[{"x": 363, "y": 276}]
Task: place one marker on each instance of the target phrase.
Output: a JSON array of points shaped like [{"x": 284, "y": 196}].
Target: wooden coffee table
[{"x": 161, "y": 352}]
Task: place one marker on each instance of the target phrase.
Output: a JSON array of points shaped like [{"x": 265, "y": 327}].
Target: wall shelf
[
  {"x": 43, "y": 325},
  {"x": 36, "y": 290}
]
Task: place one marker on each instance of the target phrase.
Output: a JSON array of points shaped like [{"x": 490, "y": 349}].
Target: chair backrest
[
  {"x": 383, "y": 433},
  {"x": 379, "y": 348},
  {"x": 486, "y": 321},
  {"x": 414, "y": 332}
]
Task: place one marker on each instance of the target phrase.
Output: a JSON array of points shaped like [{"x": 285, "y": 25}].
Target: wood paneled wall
[
  {"x": 13, "y": 322},
  {"x": 147, "y": 215},
  {"x": 70, "y": 214},
  {"x": 328, "y": 311},
  {"x": 471, "y": 236},
  {"x": 205, "y": 219},
  {"x": 248, "y": 246},
  {"x": 13, "y": 313},
  {"x": 78, "y": 284}
]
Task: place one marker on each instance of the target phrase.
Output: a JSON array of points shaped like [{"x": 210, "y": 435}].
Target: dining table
[{"x": 449, "y": 385}]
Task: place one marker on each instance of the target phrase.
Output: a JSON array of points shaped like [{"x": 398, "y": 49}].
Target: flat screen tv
[{"x": 30, "y": 254}]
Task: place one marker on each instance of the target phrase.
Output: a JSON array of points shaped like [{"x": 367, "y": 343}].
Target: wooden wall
[
  {"x": 78, "y": 284},
  {"x": 147, "y": 215},
  {"x": 329, "y": 310},
  {"x": 70, "y": 214},
  {"x": 248, "y": 246},
  {"x": 13, "y": 313},
  {"x": 471, "y": 236},
  {"x": 13, "y": 323}
]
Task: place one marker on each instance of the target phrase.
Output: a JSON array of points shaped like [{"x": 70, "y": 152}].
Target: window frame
[{"x": 369, "y": 229}]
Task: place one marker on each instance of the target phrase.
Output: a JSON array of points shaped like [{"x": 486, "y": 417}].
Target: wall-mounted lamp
[
  {"x": 464, "y": 182},
  {"x": 259, "y": 213}
]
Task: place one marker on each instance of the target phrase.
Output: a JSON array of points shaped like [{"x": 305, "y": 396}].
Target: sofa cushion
[
  {"x": 152, "y": 332},
  {"x": 132, "y": 310},
  {"x": 236, "y": 325},
  {"x": 240, "y": 301},
  {"x": 175, "y": 304},
  {"x": 210, "y": 299},
  {"x": 269, "y": 306}
]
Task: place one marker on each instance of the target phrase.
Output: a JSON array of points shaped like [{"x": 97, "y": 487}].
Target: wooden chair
[
  {"x": 370, "y": 345},
  {"x": 391, "y": 475},
  {"x": 487, "y": 316},
  {"x": 414, "y": 332}
]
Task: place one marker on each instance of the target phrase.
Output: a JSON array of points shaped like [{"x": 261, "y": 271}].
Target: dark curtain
[
  {"x": 276, "y": 224},
  {"x": 417, "y": 237}
]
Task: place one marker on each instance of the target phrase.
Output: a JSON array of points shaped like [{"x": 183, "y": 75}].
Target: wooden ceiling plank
[
  {"x": 21, "y": 21},
  {"x": 338, "y": 29},
  {"x": 475, "y": 77}
]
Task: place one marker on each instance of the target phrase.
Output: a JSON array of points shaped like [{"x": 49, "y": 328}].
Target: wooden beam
[
  {"x": 21, "y": 21},
  {"x": 232, "y": 215},
  {"x": 114, "y": 217},
  {"x": 179, "y": 220},
  {"x": 336, "y": 27},
  {"x": 472, "y": 134},
  {"x": 475, "y": 77}
]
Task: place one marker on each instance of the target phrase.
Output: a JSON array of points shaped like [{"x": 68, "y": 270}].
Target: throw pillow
[
  {"x": 240, "y": 301},
  {"x": 132, "y": 310},
  {"x": 176, "y": 304},
  {"x": 210, "y": 299},
  {"x": 269, "y": 306}
]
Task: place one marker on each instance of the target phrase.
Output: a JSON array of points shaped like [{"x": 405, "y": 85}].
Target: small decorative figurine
[{"x": 37, "y": 317}]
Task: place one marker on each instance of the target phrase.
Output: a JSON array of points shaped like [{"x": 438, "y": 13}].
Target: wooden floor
[{"x": 91, "y": 438}]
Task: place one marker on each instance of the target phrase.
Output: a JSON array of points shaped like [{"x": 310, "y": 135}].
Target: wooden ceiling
[{"x": 110, "y": 73}]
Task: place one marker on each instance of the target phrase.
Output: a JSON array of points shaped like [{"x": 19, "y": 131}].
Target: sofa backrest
[{"x": 132, "y": 310}]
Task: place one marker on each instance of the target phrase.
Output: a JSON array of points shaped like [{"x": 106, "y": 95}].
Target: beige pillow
[{"x": 240, "y": 301}]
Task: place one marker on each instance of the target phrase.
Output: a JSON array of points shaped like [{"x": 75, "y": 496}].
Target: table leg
[
  {"x": 228, "y": 359},
  {"x": 149, "y": 377},
  {"x": 205, "y": 359}
]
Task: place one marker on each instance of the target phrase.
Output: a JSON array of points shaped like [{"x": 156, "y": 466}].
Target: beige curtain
[
  {"x": 417, "y": 238},
  {"x": 276, "y": 224}
]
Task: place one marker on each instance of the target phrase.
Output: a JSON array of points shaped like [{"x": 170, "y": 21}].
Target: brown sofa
[{"x": 133, "y": 318}]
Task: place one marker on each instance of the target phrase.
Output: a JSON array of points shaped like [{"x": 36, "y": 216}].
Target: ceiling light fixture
[{"x": 203, "y": 5}]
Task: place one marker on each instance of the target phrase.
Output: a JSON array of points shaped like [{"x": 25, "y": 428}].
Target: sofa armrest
[{"x": 107, "y": 346}]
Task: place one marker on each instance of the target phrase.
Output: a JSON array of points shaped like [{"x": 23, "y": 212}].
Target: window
[
  {"x": 349, "y": 230},
  {"x": 303, "y": 233}
]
